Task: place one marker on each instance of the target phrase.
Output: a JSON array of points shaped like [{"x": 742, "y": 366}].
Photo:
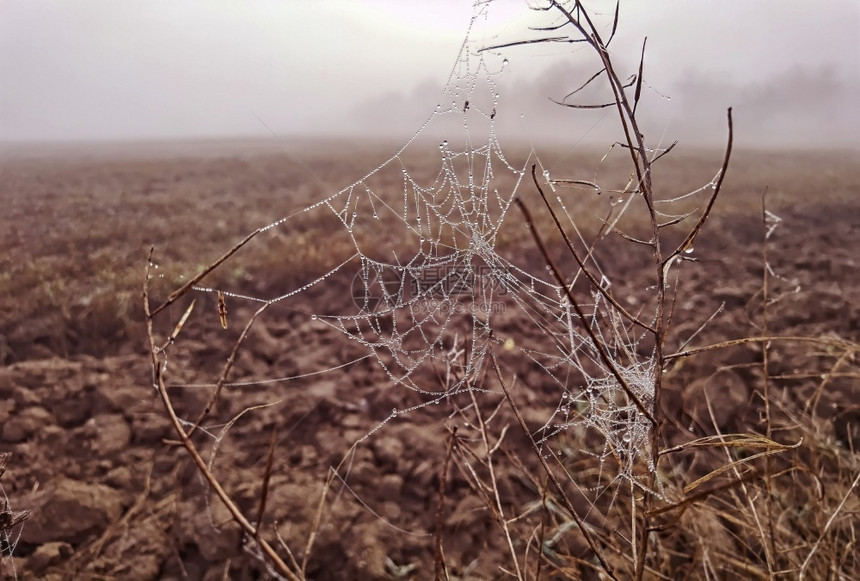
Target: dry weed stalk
[
  {"x": 252, "y": 530},
  {"x": 645, "y": 501},
  {"x": 579, "y": 18}
]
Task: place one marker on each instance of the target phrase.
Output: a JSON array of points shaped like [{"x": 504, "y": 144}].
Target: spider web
[
  {"x": 448, "y": 284},
  {"x": 430, "y": 289}
]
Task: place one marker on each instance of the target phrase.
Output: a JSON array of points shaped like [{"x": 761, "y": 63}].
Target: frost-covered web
[{"x": 430, "y": 292}]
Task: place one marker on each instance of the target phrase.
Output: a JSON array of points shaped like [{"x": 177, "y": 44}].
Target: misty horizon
[{"x": 162, "y": 73}]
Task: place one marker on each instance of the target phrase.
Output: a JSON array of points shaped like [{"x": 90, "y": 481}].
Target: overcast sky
[{"x": 153, "y": 69}]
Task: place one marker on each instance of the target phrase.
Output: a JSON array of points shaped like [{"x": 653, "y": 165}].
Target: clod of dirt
[
  {"x": 26, "y": 424},
  {"x": 388, "y": 451},
  {"x": 71, "y": 511},
  {"x": 47, "y": 555},
  {"x": 107, "y": 434}
]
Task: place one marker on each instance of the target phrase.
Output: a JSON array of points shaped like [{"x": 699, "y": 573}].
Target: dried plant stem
[
  {"x": 642, "y": 168},
  {"x": 180, "y": 292},
  {"x": 604, "y": 356},
  {"x": 847, "y": 346},
  {"x": 691, "y": 237},
  {"x": 225, "y": 372},
  {"x": 441, "y": 569},
  {"x": 229, "y": 504},
  {"x": 769, "y": 541},
  {"x": 578, "y": 17},
  {"x": 500, "y": 511},
  {"x": 589, "y": 539}
]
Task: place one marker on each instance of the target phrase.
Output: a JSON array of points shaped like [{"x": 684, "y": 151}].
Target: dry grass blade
[
  {"x": 592, "y": 185},
  {"x": 808, "y": 560},
  {"x": 703, "y": 494},
  {"x": 737, "y": 463},
  {"x": 731, "y": 441},
  {"x": 841, "y": 344},
  {"x": 745, "y": 567}
]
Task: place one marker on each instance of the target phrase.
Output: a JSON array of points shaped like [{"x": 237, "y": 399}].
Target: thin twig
[
  {"x": 178, "y": 293},
  {"x": 688, "y": 241},
  {"x": 665, "y": 151},
  {"x": 604, "y": 356},
  {"x": 583, "y": 85},
  {"x": 588, "y": 274},
  {"x": 563, "y": 39},
  {"x": 228, "y": 366},
  {"x": 267, "y": 476}
]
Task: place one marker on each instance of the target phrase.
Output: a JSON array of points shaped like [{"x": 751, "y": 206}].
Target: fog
[{"x": 158, "y": 69}]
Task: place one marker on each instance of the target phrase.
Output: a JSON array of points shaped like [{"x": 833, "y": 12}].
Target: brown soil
[{"x": 113, "y": 498}]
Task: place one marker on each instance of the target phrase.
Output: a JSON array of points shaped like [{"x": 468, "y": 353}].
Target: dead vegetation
[{"x": 710, "y": 432}]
